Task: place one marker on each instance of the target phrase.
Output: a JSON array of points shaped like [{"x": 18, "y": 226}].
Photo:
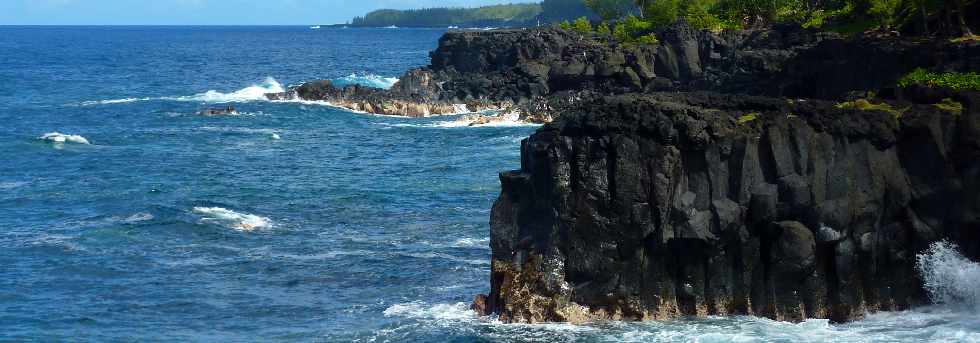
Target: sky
[{"x": 206, "y": 12}]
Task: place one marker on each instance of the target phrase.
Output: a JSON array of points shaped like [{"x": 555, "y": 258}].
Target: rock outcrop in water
[{"x": 641, "y": 207}]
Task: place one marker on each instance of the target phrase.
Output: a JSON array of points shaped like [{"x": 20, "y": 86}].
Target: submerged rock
[
  {"x": 643, "y": 207},
  {"x": 218, "y": 111}
]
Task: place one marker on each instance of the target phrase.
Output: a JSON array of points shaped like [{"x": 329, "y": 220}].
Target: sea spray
[{"x": 948, "y": 276}]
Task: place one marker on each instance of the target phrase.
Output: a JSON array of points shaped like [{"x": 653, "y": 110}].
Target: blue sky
[{"x": 204, "y": 12}]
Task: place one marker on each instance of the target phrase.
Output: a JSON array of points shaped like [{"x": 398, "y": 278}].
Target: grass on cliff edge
[
  {"x": 748, "y": 117},
  {"x": 950, "y": 106},
  {"x": 954, "y": 81},
  {"x": 865, "y": 105}
]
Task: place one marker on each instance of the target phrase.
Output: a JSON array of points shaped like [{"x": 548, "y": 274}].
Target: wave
[
  {"x": 250, "y": 93},
  {"x": 232, "y": 219},
  {"x": 472, "y": 243},
  {"x": 59, "y": 138},
  {"x": 420, "y": 310},
  {"x": 255, "y": 92},
  {"x": 369, "y": 80},
  {"x": 948, "y": 276}
]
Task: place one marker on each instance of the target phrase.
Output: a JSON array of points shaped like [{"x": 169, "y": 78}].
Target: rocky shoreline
[
  {"x": 722, "y": 174},
  {"x": 711, "y": 173},
  {"x": 538, "y": 73}
]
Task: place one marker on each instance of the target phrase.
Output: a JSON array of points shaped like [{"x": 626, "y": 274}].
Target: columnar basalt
[{"x": 642, "y": 207}]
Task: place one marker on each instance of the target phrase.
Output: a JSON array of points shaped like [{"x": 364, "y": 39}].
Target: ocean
[{"x": 127, "y": 216}]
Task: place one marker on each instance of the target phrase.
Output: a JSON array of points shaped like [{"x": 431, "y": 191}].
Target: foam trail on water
[
  {"x": 948, "y": 276},
  {"x": 232, "y": 219},
  {"x": 114, "y": 101},
  {"x": 369, "y": 80},
  {"x": 57, "y": 137}
]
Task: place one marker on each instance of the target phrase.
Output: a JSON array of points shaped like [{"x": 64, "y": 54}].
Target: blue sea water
[{"x": 126, "y": 216}]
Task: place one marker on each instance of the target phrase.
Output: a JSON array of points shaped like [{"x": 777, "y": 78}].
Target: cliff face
[
  {"x": 641, "y": 207},
  {"x": 540, "y": 72}
]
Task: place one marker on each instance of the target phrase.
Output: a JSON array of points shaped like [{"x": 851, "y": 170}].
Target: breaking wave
[
  {"x": 369, "y": 80},
  {"x": 948, "y": 276},
  {"x": 57, "y": 137},
  {"x": 255, "y": 92},
  {"x": 250, "y": 93},
  {"x": 232, "y": 219}
]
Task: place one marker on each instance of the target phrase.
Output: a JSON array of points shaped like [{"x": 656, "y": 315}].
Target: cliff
[
  {"x": 643, "y": 207},
  {"x": 540, "y": 72}
]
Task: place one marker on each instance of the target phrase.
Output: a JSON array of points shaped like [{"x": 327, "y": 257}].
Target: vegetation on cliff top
[
  {"x": 949, "y": 17},
  {"x": 954, "y": 81},
  {"x": 436, "y": 17},
  {"x": 548, "y": 11}
]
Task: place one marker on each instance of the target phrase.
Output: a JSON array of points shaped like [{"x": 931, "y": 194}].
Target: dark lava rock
[
  {"x": 532, "y": 70},
  {"x": 654, "y": 206}
]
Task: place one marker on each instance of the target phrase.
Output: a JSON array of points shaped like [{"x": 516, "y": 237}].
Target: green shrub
[
  {"x": 603, "y": 29},
  {"x": 950, "y": 106},
  {"x": 748, "y": 117},
  {"x": 565, "y": 25},
  {"x": 954, "y": 81},
  {"x": 698, "y": 15},
  {"x": 633, "y": 30},
  {"x": 582, "y": 25},
  {"x": 620, "y": 33},
  {"x": 636, "y": 26},
  {"x": 648, "y": 39}
]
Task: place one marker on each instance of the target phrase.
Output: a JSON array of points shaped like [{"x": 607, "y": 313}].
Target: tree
[
  {"x": 661, "y": 12},
  {"x": 610, "y": 9},
  {"x": 582, "y": 25},
  {"x": 553, "y": 11},
  {"x": 961, "y": 20},
  {"x": 885, "y": 12}
]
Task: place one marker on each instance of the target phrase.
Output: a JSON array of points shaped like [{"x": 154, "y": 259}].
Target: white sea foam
[
  {"x": 948, "y": 276},
  {"x": 254, "y": 92},
  {"x": 113, "y": 101},
  {"x": 138, "y": 217},
  {"x": 369, "y": 80},
  {"x": 12, "y": 184},
  {"x": 472, "y": 242},
  {"x": 275, "y": 136},
  {"x": 232, "y": 219},
  {"x": 420, "y": 310},
  {"x": 60, "y": 138}
]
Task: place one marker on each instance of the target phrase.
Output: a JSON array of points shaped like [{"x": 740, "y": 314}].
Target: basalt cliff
[
  {"x": 539, "y": 72},
  {"x": 722, "y": 174}
]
